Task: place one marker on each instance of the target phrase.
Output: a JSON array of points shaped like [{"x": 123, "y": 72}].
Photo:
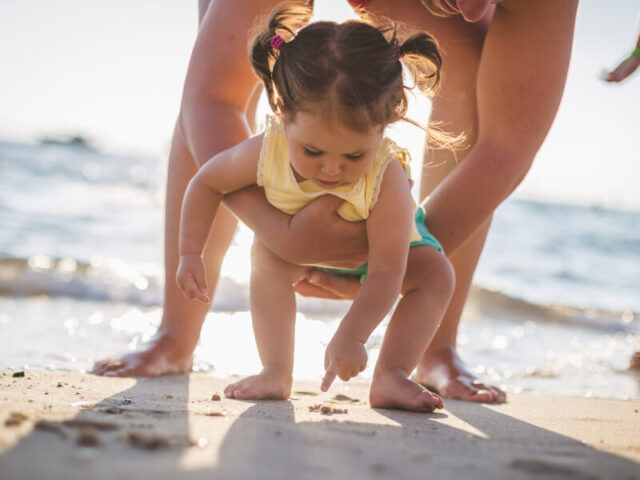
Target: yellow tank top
[{"x": 284, "y": 192}]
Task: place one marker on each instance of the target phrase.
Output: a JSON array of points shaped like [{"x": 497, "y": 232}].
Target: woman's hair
[
  {"x": 435, "y": 9},
  {"x": 350, "y": 70}
]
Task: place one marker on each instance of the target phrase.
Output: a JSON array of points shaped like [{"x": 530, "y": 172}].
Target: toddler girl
[{"x": 333, "y": 88}]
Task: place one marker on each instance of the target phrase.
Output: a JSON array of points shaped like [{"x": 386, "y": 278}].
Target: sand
[{"x": 67, "y": 425}]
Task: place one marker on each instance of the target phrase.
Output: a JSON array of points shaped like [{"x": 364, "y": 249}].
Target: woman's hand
[
  {"x": 622, "y": 71},
  {"x": 320, "y": 284},
  {"x": 191, "y": 277},
  {"x": 345, "y": 357}
]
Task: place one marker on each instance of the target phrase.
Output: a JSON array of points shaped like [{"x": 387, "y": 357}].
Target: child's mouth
[{"x": 326, "y": 184}]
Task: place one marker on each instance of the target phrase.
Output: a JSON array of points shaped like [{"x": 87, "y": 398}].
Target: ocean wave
[{"x": 114, "y": 280}]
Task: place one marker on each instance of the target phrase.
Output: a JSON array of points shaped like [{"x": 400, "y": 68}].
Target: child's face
[{"x": 328, "y": 153}]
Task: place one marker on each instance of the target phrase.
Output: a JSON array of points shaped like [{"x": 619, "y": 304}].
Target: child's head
[
  {"x": 337, "y": 86},
  {"x": 348, "y": 72}
]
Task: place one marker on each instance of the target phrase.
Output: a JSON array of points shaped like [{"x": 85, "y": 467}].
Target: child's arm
[
  {"x": 226, "y": 172},
  {"x": 389, "y": 233}
]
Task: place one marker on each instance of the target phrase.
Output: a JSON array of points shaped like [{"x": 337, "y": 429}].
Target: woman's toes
[{"x": 229, "y": 390}]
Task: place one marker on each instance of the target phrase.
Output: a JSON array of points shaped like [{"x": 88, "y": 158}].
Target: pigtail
[
  {"x": 284, "y": 21},
  {"x": 420, "y": 54}
]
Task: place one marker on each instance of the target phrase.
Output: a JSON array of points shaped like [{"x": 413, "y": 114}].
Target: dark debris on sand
[{"x": 326, "y": 409}]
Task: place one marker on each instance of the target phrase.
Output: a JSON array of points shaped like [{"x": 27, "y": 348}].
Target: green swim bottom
[{"x": 427, "y": 239}]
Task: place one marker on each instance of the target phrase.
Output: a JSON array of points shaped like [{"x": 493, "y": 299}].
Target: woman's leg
[
  {"x": 218, "y": 86},
  {"x": 455, "y": 108},
  {"x": 512, "y": 126}
]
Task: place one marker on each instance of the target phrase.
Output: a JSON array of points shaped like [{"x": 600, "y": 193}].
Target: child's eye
[
  {"x": 354, "y": 156},
  {"x": 312, "y": 153}
]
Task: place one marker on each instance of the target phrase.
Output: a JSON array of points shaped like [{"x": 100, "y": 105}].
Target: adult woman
[{"x": 504, "y": 71}]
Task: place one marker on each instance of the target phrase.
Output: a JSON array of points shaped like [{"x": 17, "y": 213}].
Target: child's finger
[
  {"x": 329, "y": 376},
  {"x": 191, "y": 289},
  {"x": 201, "y": 282}
]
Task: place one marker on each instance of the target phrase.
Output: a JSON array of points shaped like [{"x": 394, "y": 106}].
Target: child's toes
[{"x": 431, "y": 401}]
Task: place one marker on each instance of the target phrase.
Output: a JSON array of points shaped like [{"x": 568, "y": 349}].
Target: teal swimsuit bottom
[{"x": 427, "y": 239}]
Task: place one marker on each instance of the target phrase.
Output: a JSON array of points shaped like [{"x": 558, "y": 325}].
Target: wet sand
[{"x": 66, "y": 425}]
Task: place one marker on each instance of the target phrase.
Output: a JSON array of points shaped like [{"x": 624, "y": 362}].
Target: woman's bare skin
[{"x": 488, "y": 66}]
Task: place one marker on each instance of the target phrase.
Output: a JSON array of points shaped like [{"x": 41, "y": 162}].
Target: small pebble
[
  {"x": 147, "y": 441},
  {"x": 216, "y": 397},
  {"x": 214, "y": 414},
  {"x": 112, "y": 410},
  {"x": 88, "y": 437},
  {"x": 168, "y": 396},
  {"x": 18, "y": 374},
  {"x": 49, "y": 426},
  {"x": 15, "y": 419}
]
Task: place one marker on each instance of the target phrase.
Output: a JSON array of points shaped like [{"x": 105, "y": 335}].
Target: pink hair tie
[
  {"x": 276, "y": 42},
  {"x": 400, "y": 54}
]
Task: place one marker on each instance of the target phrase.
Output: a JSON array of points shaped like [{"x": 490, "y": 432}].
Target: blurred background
[{"x": 89, "y": 93}]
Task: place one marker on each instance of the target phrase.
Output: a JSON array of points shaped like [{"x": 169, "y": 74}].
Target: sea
[{"x": 555, "y": 306}]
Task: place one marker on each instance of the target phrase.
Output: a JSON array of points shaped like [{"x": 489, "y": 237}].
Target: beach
[{"x": 66, "y": 425}]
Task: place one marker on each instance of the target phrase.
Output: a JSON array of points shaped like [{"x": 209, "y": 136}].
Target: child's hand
[
  {"x": 191, "y": 277},
  {"x": 344, "y": 357}
]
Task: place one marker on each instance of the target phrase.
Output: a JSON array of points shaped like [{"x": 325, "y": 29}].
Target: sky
[{"x": 113, "y": 72}]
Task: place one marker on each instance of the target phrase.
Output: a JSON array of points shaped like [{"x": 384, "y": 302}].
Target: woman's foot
[
  {"x": 164, "y": 355},
  {"x": 391, "y": 388},
  {"x": 634, "y": 363},
  {"x": 444, "y": 371},
  {"x": 272, "y": 383}
]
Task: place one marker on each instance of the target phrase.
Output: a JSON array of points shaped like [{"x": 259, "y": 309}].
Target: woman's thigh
[{"x": 219, "y": 70}]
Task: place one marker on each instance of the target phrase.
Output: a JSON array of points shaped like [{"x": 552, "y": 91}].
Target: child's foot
[
  {"x": 272, "y": 383},
  {"x": 164, "y": 355},
  {"x": 445, "y": 372},
  {"x": 391, "y": 388}
]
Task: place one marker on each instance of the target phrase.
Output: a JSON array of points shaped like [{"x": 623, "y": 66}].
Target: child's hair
[{"x": 350, "y": 70}]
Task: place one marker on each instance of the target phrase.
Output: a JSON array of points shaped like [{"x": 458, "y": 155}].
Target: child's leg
[
  {"x": 273, "y": 311},
  {"x": 427, "y": 289}
]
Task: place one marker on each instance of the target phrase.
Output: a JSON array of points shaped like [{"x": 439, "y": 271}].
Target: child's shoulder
[{"x": 391, "y": 152}]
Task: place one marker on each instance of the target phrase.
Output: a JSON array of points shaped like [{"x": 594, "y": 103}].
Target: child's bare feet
[
  {"x": 272, "y": 383},
  {"x": 164, "y": 355},
  {"x": 444, "y": 371},
  {"x": 391, "y": 388}
]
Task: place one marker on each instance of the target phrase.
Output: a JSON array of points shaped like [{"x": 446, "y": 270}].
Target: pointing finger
[{"x": 329, "y": 376}]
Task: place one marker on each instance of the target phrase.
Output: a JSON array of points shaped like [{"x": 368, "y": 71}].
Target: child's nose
[{"x": 331, "y": 167}]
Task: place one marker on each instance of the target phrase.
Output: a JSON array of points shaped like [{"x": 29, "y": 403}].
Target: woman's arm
[
  {"x": 316, "y": 235},
  {"x": 519, "y": 91}
]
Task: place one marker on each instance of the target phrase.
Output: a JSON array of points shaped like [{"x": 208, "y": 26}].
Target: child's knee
[{"x": 429, "y": 268}]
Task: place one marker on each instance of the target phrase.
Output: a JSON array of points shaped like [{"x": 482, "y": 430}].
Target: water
[{"x": 554, "y": 308}]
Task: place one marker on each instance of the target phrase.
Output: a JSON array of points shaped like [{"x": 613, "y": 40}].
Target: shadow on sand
[{"x": 283, "y": 440}]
